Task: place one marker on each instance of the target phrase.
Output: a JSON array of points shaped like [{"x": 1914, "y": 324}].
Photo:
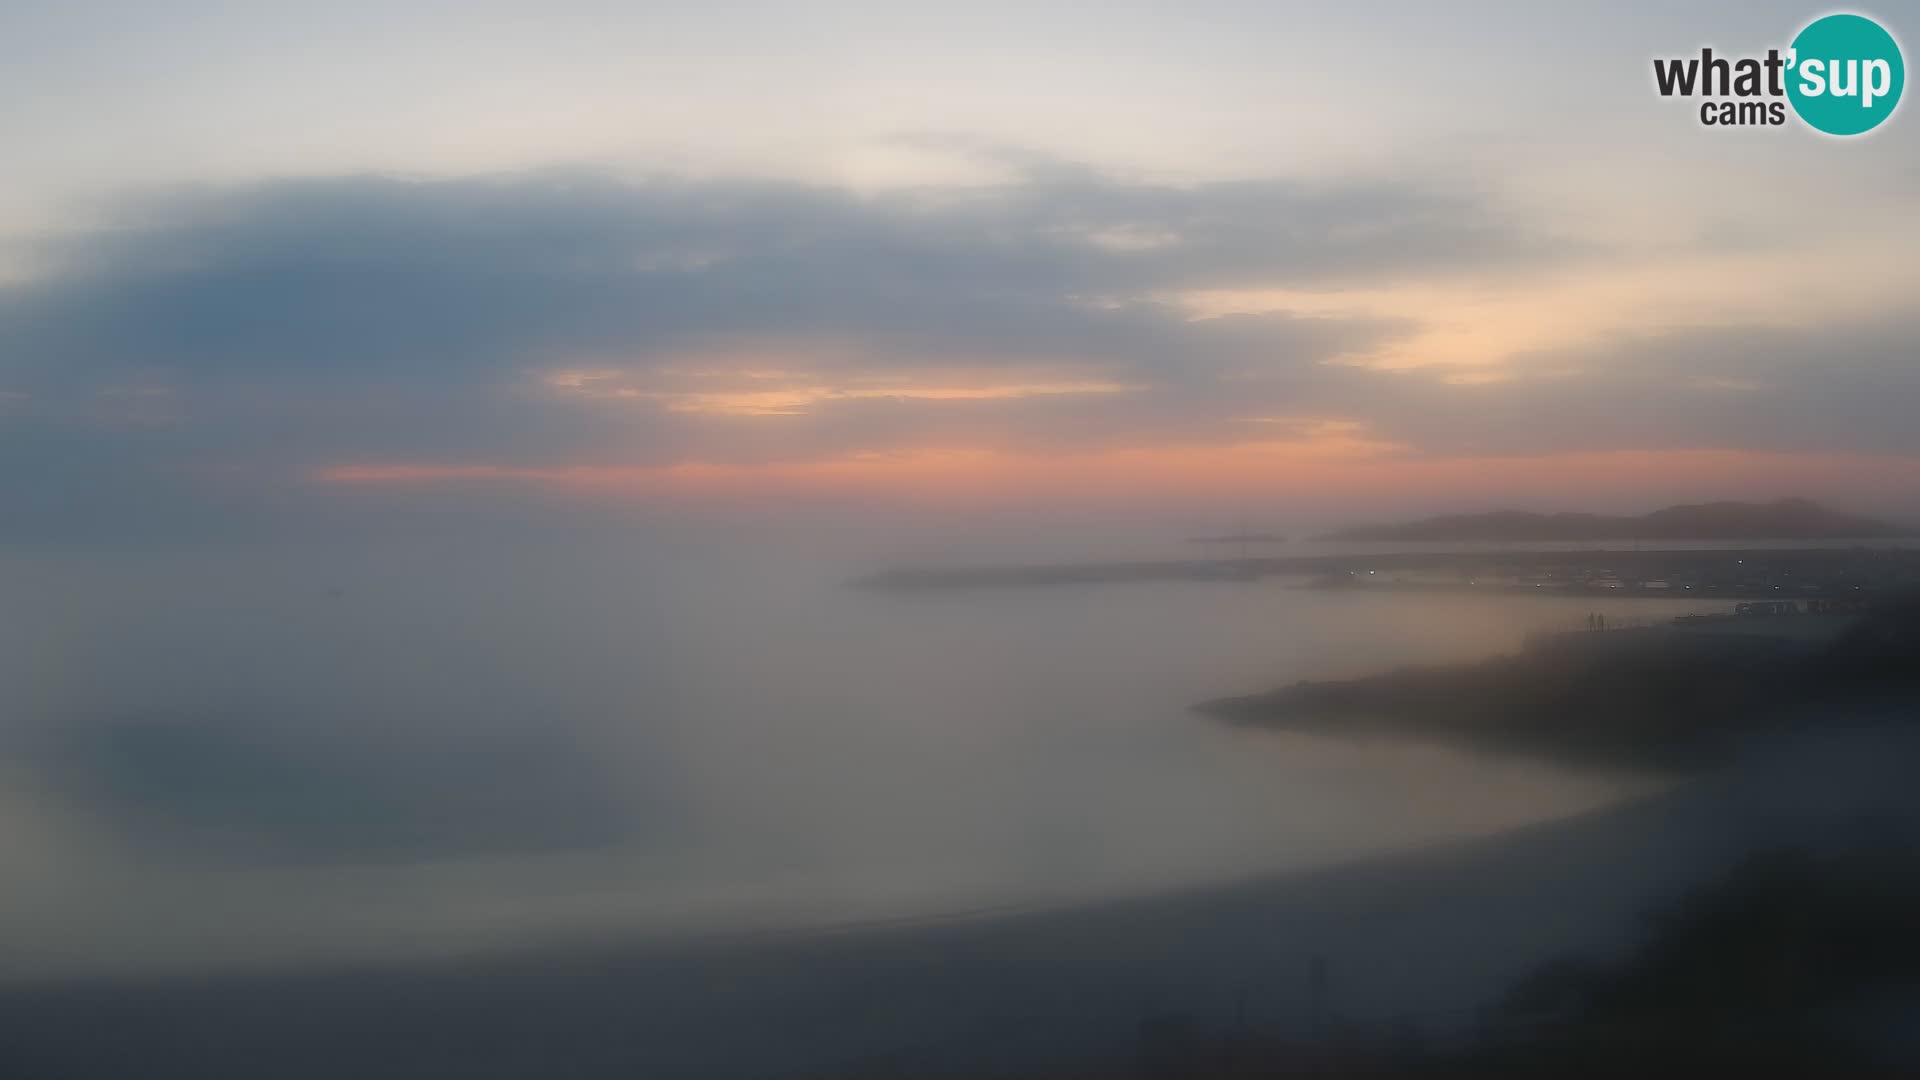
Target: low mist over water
[{"x": 279, "y": 755}]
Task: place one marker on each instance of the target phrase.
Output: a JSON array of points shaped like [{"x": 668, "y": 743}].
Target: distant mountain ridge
[{"x": 1782, "y": 519}]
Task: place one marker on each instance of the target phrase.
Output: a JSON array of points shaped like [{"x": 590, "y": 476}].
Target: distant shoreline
[
  {"x": 1783, "y": 519},
  {"x": 1719, "y": 573}
]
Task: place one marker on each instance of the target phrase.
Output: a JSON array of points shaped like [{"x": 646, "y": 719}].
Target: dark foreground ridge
[
  {"x": 1799, "y": 962},
  {"x": 1782, "y": 519},
  {"x": 1679, "y": 696}
]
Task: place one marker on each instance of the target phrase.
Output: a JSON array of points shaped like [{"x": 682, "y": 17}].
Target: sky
[{"x": 270, "y": 261}]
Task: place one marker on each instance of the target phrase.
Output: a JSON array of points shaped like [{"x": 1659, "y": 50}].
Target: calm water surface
[{"x": 251, "y": 758}]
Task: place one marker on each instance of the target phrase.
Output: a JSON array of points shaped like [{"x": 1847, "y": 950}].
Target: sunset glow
[{"x": 936, "y": 280}]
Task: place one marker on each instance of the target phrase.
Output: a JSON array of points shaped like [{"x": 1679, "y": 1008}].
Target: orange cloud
[
  {"x": 780, "y": 392},
  {"x": 1323, "y": 459},
  {"x": 1325, "y": 464}
]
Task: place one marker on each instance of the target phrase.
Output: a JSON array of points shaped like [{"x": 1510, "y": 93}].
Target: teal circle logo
[{"x": 1845, "y": 74}]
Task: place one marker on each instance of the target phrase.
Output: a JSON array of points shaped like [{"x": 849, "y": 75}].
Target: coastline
[
  {"x": 1426, "y": 937},
  {"x": 1704, "y": 574}
]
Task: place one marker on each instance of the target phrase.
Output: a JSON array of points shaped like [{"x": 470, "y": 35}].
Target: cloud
[
  {"x": 219, "y": 340},
  {"x": 318, "y": 320},
  {"x": 306, "y": 278},
  {"x": 1830, "y": 388}
]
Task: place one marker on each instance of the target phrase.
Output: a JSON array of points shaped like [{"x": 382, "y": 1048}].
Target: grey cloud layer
[
  {"x": 298, "y": 323},
  {"x": 316, "y": 320},
  {"x": 467, "y": 274}
]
